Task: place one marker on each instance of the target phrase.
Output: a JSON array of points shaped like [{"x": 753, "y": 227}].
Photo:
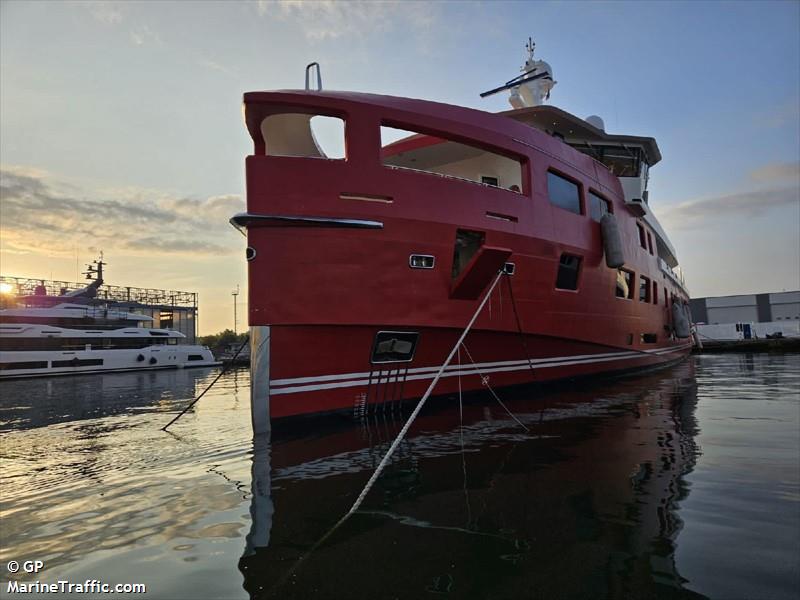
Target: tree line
[{"x": 222, "y": 339}]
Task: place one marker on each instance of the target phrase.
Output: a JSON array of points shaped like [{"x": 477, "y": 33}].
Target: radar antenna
[
  {"x": 94, "y": 273},
  {"x": 531, "y": 88}
]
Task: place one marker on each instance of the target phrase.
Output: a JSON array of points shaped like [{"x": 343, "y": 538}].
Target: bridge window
[
  {"x": 438, "y": 155},
  {"x": 598, "y": 207},
  {"x": 304, "y": 135},
  {"x": 564, "y": 193}
]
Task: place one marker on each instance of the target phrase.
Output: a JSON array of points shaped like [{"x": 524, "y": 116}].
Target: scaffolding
[
  {"x": 169, "y": 309},
  {"x": 23, "y": 286}
]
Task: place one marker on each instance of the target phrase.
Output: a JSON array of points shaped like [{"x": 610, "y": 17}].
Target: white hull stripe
[{"x": 359, "y": 379}]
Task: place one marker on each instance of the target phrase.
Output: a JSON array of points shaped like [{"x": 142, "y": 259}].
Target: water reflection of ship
[
  {"x": 43, "y": 401},
  {"x": 584, "y": 506}
]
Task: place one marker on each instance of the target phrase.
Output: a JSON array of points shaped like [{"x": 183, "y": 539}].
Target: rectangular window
[
  {"x": 642, "y": 236},
  {"x": 563, "y": 193},
  {"x": 165, "y": 319},
  {"x": 649, "y": 243},
  {"x": 23, "y": 365},
  {"x": 644, "y": 289},
  {"x": 434, "y": 153},
  {"x": 78, "y": 362},
  {"x": 655, "y": 293},
  {"x": 598, "y": 207},
  {"x": 568, "y": 269},
  {"x": 624, "y": 284}
]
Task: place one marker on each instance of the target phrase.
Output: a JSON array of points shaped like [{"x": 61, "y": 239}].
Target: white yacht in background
[{"x": 74, "y": 333}]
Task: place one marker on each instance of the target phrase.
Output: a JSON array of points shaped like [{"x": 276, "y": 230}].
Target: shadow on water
[{"x": 583, "y": 506}]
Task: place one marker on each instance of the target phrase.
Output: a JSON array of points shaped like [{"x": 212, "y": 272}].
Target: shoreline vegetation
[{"x": 218, "y": 342}]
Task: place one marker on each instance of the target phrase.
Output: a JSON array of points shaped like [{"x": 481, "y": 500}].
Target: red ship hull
[
  {"x": 329, "y": 246},
  {"x": 306, "y": 382}
]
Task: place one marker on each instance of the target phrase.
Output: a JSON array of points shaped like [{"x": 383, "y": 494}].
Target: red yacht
[{"x": 368, "y": 261}]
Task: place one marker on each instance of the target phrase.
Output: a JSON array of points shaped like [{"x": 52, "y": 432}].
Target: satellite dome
[{"x": 596, "y": 121}]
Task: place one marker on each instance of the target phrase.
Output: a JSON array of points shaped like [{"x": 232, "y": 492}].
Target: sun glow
[{"x": 6, "y": 288}]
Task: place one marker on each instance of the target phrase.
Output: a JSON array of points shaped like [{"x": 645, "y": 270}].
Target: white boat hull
[{"x": 56, "y": 362}]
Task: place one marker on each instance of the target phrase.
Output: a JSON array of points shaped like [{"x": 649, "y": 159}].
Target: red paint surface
[{"x": 327, "y": 291}]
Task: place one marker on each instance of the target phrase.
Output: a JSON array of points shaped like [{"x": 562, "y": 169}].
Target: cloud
[
  {"x": 696, "y": 213},
  {"x": 108, "y": 13},
  {"x": 142, "y": 35},
  {"x": 36, "y": 216},
  {"x": 777, "y": 172},
  {"x": 330, "y": 19}
]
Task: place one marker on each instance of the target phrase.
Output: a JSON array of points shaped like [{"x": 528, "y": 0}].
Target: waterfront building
[{"x": 746, "y": 316}]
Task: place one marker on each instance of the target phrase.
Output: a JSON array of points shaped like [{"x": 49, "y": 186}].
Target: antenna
[
  {"x": 235, "y": 293},
  {"x": 95, "y": 268},
  {"x": 530, "y": 47},
  {"x": 531, "y": 88}
]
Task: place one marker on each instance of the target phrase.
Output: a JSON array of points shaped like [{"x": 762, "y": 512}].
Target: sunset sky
[{"x": 121, "y": 125}]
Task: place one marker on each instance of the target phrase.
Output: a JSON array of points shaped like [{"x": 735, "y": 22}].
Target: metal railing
[{"x": 23, "y": 286}]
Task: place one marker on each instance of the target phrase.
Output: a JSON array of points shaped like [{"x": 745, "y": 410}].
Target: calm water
[{"x": 684, "y": 483}]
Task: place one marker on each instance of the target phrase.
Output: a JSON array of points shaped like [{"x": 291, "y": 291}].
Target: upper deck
[
  {"x": 365, "y": 114},
  {"x": 451, "y": 141}
]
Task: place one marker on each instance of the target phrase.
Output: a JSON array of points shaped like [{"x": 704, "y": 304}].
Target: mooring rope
[
  {"x": 519, "y": 326},
  {"x": 461, "y": 436},
  {"x": 421, "y": 403},
  {"x": 395, "y": 443},
  {"x": 485, "y": 381},
  {"x": 210, "y": 385}
]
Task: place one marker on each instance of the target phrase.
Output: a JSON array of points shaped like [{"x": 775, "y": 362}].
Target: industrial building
[
  {"x": 747, "y": 316},
  {"x": 169, "y": 309},
  {"x": 746, "y": 308}
]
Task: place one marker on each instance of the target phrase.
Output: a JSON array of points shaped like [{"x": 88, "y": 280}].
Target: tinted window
[
  {"x": 644, "y": 289},
  {"x": 23, "y": 365},
  {"x": 568, "y": 268},
  {"x": 79, "y": 362},
  {"x": 642, "y": 237},
  {"x": 563, "y": 193},
  {"x": 597, "y": 207}
]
